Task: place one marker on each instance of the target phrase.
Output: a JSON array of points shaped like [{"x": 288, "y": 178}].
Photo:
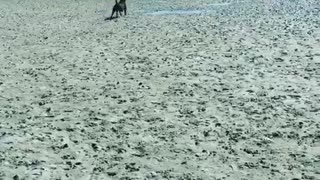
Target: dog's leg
[
  {"x": 117, "y": 14},
  {"x": 112, "y": 14},
  {"x": 125, "y": 11}
]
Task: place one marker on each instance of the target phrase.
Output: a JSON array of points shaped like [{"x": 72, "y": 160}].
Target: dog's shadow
[{"x": 110, "y": 18}]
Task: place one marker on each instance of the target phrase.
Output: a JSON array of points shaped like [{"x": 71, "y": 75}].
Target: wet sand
[{"x": 229, "y": 94}]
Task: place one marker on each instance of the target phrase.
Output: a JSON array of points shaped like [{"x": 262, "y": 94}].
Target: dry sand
[{"x": 232, "y": 93}]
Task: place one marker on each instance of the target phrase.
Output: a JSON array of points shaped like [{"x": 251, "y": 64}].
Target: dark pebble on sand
[
  {"x": 94, "y": 146},
  {"x": 16, "y": 177},
  {"x": 111, "y": 173},
  {"x": 69, "y": 163},
  {"x": 206, "y": 133},
  {"x": 65, "y": 146},
  {"x": 69, "y": 129}
]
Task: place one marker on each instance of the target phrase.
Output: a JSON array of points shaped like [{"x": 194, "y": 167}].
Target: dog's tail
[{"x": 116, "y": 1}]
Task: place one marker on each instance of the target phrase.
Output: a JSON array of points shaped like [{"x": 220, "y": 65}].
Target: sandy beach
[{"x": 186, "y": 90}]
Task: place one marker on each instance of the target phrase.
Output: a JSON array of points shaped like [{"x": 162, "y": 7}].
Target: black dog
[{"x": 119, "y": 8}]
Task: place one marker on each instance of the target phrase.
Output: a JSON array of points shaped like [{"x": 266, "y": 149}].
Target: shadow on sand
[{"x": 110, "y": 18}]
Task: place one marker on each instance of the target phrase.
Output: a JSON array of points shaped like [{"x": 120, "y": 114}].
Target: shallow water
[
  {"x": 183, "y": 12},
  {"x": 219, "y": 4},
  {"x": 187, "y": 12}
]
